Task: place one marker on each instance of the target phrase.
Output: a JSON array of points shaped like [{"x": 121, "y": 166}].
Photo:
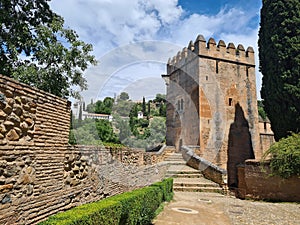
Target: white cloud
[
  {"x": 232, "y": 21},
  {"x": 126, "y": 64},
  {"x": 119, "y": 31},
  {"x": 167, "y": 10},
  {"x": 109, "y": 23}
]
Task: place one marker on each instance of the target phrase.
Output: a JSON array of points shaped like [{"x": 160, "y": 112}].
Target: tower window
[
  {"x": 230, "y": 101},
  {"x": 247, "y": 71},
  {"x": 181, "y": 105},
  {"x": 206, "y": 77},
  {"x": 217, "y": 66}
]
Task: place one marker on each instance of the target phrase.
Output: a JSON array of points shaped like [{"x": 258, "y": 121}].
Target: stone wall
[
  {"x": 266, "y": 140},
  {"x": 208, "y": 169},
  {"x": 139, "y": 157},
  {"x": 40, "y": 174},
  {"x": 266, "y": 135},
  {"x": 211, "y": 95},
  {"x": 32, "y": 117},
  {"x": 255, "y": 182}
]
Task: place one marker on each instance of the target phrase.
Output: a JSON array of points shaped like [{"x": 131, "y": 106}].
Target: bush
[
  {"x": 285, "y": 156},
  {"x": 130, "y": 208},
  {"x": 109, "y": 211},
  {"x": 167, "y": 189},
  {"x": 138, "y": 207}
]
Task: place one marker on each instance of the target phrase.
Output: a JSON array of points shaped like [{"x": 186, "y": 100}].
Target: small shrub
[{"x": 285, "y": 156}]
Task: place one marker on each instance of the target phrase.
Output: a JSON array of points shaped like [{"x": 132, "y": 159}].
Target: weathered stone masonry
[
  {"x": 40, "y": 174},
  {"x": 211, "y": 94}
]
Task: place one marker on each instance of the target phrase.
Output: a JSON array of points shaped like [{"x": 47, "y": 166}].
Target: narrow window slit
[{"x": 230, "y": 101}]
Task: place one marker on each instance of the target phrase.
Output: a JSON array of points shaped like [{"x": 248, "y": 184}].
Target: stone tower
[{"x": 212, "y": 104}]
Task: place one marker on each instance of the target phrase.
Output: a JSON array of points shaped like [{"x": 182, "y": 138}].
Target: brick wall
[
  {"x": 255, "y": 182},
  {"x": 40, "y": 174}
]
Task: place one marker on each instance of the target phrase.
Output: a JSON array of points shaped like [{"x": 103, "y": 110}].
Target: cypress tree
[
  {"x": 80, "y": 114},
  {"x": 144, "y": 107},
  {"x": 279, "y": 57}
]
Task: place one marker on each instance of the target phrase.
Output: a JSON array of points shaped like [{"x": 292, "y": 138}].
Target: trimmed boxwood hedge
[{"x": 129, "y": 208}]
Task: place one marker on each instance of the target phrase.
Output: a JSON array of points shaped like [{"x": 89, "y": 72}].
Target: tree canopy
[
  {"x": 103, "y": 107},
  {"x": 279, "y": 55},
  {"x": 36, "y": 48},
  {"x": 124, "y": 96}
]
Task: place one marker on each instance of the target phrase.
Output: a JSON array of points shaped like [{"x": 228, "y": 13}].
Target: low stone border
[{"x": 209, "y": 170}]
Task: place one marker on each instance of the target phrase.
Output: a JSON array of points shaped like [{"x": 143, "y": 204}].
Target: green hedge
[
  {"x": 285, "y": 156},
  {"x": 130, "y": 208},
  {"x": 166, "y": 187}
]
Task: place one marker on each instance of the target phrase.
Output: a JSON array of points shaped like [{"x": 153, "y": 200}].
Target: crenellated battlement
[
  {"x": 212, "y": 103},
  {"x": 211, "y": 50}
]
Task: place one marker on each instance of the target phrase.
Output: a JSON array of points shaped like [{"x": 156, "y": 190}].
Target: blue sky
[{"x": 134, "y": 39}]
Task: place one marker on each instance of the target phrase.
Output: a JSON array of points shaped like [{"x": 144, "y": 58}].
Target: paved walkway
[{"x": 199, "y": 208}]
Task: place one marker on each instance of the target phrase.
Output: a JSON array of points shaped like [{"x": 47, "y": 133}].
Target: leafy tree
[
  {"x": 122, "y": 108},
  {"x": 163, "y": 110},
  {"x": 85, "y": 132},
  {"x": 36, "y": 49},
  {"x": 93, "y": 131},
  {"x": 124, "y": 96},
  {"x": 84, "y": 136},
  {"x": 107, "y": 105},
  {"x": 105, "y": 131},
  {"x": 158, "y": 129},
  {"x": 279, "y": 55},
  {"x": 123, "y": 126},
  {"x": 154, "y": 135},
  {"x": 160, "y": 98},
  {"x": 90, "y": 108},
  {"x": 72, "y": 139},
  {"x": 102, "y": 107}
]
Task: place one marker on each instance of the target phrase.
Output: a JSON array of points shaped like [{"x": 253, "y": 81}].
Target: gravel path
[{"x": 197, "y": 208}]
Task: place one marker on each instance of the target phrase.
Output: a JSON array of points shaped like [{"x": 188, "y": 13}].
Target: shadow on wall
[{"x": 239, "y": 145}]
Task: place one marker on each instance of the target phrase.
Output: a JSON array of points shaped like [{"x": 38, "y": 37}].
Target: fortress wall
[
  {"x": 183, "y": 105},
  {"x": 40, "y": 174},
  {"x": 255, "y": 182},
  {"x": 227, "y": 111}
]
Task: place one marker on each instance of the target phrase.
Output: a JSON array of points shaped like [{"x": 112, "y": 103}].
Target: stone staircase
[{"x": 187, "y": 179}]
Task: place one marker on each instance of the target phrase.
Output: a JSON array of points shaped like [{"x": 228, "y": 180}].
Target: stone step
[
  {"x": 179, "y": 163},
  {"x": 187, "y": 172},
  {"x": 187, "y": 179},
  {"x": 201, "y": 185},
  {"x": 174, "y": 159},
  {"x": 195, "y": 181},
  {"x": 180, "y": 175},
  {"x": 199, "y": 189}
]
